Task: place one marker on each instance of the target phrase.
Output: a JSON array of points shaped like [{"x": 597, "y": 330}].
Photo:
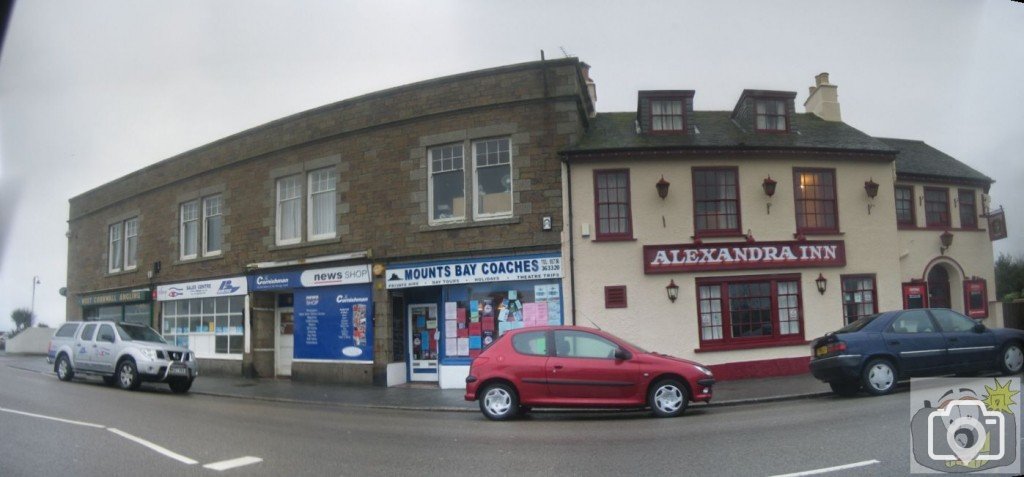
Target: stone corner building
[{"x": 346, "y": 243}]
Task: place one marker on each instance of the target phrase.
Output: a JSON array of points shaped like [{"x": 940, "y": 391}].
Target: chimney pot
[{"x": 821, "y": 78}]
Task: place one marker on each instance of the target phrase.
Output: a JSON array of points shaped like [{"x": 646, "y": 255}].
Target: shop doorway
[
  {"x": 284, "y": 341},
  {"x": 423, "y": 336},
  {"x": 938, "y": 287}
]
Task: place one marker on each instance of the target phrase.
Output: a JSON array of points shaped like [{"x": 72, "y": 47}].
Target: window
[
  {"x": 916, "y": 321},
  {"x": 106, "y": 334},
  {"x": 611, "y": 204},
  {"x": 815, "y": 201},
  {"x": 533, "y": 343},
  {"x": 67, "y": 331},
  {"x": 905, "y": 206},
  {"x": 289, "y": 210},
  {"x": 447, "y": 183},
  {"x": 749, "y": 311},
  {"x": 493, "y": 178},
  {"x": 189, "y": 229},
  {"x": 615, "y": 296},
  {"x": 858, "y": 297},
  {"x": 580, "y": 344},
  {"x": 716, "y": 201},
  {"x": 953, "y": 322},
  {"x": 666, "y": 115},
  {"x": 771, "y": 115},
  {"x": 123, "y": 245},
  {"x": 213, "y": 220},
  {"x": 87, "y": 332},
  {"x": 968, "y": 209},
  {"x": 207, "y": 326},
  {"x": 936, "y": 207},
  {"x": 322, "y": 204}
]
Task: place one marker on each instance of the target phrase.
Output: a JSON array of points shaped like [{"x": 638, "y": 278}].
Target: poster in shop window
[{"x": 334, "y": 324}]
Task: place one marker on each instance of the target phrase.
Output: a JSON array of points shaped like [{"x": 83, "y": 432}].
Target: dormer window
[
  {"x": 666, "y": 115},
  {"x": 770, "y": 115}
]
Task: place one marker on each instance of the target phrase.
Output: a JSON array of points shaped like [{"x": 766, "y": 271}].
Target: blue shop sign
[{"x": 334, "y": 324}]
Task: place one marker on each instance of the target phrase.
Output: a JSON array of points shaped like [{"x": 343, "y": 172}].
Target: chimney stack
[
  {"x": 823, "y": 100},
  {"x": 591, "y": 88}
]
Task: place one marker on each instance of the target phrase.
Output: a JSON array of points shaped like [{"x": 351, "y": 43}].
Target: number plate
[
  {"x": 177, "y": 371},
  {"x": 821, "y": 351}
]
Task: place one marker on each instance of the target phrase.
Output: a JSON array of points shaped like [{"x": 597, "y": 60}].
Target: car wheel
[
  {"x": 879, "y": 377},
  {"x": 128, "y": 375},
  {"x": 668, "y": 398},
  {"x": 110, "y": 380},
  {"x": 845, "y": 388},
  {"x": 1011, "y": 359},
  {"x": 499, "y": 402},
  {"x": 64, "y": 370},
  {"x": 181, "y": 386}
]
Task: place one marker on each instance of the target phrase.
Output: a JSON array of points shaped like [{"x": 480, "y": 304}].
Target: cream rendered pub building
[{"x": 735, "y": 237}]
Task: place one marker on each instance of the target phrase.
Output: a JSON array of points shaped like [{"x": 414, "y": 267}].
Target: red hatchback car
[{"x": 566, "y": 366}]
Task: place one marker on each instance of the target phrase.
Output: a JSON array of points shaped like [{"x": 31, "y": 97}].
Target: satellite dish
[{"x": 63, "y": 291}]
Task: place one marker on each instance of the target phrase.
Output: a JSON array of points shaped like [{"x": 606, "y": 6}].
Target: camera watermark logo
[{"x": 965, "y": 425}]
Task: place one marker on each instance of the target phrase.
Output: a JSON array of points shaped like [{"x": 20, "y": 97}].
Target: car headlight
[
  {"x": 704, "y": 370},
  {"x": 148, "y": 353}
]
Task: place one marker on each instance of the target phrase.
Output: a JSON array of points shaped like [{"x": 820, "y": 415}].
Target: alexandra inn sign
[{"x": 743, "y": 256}]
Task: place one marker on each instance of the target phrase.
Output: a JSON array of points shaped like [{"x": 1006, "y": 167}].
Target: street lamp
[{"x": 35, "y": 281}]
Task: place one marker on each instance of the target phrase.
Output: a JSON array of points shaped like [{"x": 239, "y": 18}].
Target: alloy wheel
[
  {"x": 498, "y": 401},
  {"x": 668, "y": 398}
]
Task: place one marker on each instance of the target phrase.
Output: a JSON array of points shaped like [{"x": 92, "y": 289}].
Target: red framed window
[
  {"x": 612, "y": 206},
  {"x": 615, "y": 296},
  {"x": 749, "y": 311},
  {"x": 770, "y": 115},
  {"x": 905, "y": 206},
  {"x": 968, "y": 208},
  {"x": 976, "y": 298},
  {"x": 936, "y": 207},
  {"x": 667, "y": 115},
  {"x": 716, "y": 201},
  {"x": 815, "y": 193},
  {"x": 860, "y": 297}
]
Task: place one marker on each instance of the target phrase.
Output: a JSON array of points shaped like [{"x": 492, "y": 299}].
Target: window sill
[
  {"x": 308, "y": 243},
  {"x": 186, "y": 261},
  {"x": 760, "y": 344},
  {"x": 723, "y": 234},
  {"x": 936, "y": 228},
  {"x": 613, "y": 239},
  {"x": 122, "y": 272},
  {"x": 470, "y": 224},
  {"x": 818, "y": 233}
]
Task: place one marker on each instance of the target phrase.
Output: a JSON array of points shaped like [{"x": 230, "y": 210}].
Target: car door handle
[
  {"x": 953, "y": 339},
  {"x": 894, "y": 342}
]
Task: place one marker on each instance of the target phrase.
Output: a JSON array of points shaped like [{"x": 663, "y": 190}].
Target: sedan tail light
[{"x": 829, "y": 349}]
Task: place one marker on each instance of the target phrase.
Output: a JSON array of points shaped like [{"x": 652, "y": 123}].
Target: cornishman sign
[{"x": 743, "y": 256}]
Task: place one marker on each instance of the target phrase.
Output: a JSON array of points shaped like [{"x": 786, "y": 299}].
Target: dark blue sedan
[{"x": 874, "y": 351}]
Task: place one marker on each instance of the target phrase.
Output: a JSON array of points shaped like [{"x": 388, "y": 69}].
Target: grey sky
[{"x": 90, "y": 91}]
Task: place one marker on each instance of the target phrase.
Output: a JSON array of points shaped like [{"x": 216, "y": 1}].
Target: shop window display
[{"x": 208, "y": 326}]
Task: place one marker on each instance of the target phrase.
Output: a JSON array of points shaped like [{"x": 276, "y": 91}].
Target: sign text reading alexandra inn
[{"x": 743, "y": 256}]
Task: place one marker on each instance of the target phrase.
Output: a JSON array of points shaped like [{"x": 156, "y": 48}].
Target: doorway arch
[{"x": 944, "y": 278}]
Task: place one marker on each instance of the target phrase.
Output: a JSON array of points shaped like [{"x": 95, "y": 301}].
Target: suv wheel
[
  {"x": 499, "y": 402},
  {"x": 64, "y": 370},
  {"x": 668, "y": 398},
  {"x": 180, "y": 386},
  {"x": 128, "y": 375},
  {"x": 879, "y": 377}
]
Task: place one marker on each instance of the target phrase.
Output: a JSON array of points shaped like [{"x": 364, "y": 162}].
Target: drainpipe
[{"x": 572, "y": 253}]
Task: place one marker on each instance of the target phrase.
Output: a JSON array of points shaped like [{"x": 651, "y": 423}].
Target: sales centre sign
[{"x": 743, "y": 256}]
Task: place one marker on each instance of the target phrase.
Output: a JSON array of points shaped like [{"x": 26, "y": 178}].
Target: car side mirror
[
  {"x": 622, "y": 354},
  {"x": 979, "y": 327}
]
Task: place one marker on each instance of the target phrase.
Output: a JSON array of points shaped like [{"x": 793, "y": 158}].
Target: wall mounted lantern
[
  {"x": 871, "y": 187},
  {"x": 821, "y": 282},
  {"x": 769, "y": 190},
  {"x": 673, "y": 290},
  {"x": 662, "y": 186},
  {"x": 947, "y": 240}
]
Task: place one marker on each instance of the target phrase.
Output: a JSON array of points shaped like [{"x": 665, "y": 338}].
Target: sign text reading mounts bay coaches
[{"x": 743, "y": 256}]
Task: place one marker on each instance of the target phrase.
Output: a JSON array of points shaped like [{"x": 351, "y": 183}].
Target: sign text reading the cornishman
[{"x": 745, "y": 255}]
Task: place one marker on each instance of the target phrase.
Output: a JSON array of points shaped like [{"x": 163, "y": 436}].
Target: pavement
[{"x": 420, "y": 397}]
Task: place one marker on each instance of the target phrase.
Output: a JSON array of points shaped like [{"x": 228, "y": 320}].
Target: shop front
[
  {"x": 208, "y": 317},
  {"x": 447, "y": 312},
  {"x": 130, "y": 306},
  {"x": 322, "y": 323}
]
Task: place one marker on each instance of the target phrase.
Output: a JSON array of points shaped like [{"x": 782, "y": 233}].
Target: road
[{"x": 186, "y": 433}]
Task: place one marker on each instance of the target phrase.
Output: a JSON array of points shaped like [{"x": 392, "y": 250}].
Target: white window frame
[
  {"x": 309, "y": 201},
  {"x": 115, "y": 238},
  {"x": 477, "y": 202},
  {"x": 181, "y": 229},
  {"x": 430, "y": 185},
  {"x": 134, "y": 262},
  {"x": 204, "y": 230},
  {"x": 277, "y": 206}
]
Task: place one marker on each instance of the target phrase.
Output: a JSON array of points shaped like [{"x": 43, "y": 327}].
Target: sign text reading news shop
[{"x": 743, "y": 256}]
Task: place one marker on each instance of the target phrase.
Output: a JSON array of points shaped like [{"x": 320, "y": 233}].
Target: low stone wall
[
  {"x": 333, "y": 373},
  {"x": 31, "y": 341},
  {"x": 220, "y": 367}
]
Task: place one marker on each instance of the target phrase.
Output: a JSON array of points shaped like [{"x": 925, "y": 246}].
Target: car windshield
[
  {"x": 139, "y": 333},
  {"x": 857, "y": 325}
]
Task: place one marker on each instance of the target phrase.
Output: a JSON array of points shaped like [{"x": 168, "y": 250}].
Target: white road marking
[
  {"x": 173, "y": 455},
  {"x": 831, "y": 469},
  {"x": 66, "y": 421},
  {"x": 231, "y": 464}
]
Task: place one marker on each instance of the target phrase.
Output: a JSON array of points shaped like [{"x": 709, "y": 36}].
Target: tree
[
  {"x": 22, "y": 318},
  {"x": 1009, "y": 277}
]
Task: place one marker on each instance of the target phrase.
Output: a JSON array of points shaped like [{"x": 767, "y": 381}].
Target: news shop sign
[
  {"x": 743, "y": 256},
  {"x": 334, "y": 324}
]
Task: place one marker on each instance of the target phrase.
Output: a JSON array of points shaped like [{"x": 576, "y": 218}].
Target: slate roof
[
  {"x": 617, "y": 132},
  {"x": 916, "y": 158}
]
